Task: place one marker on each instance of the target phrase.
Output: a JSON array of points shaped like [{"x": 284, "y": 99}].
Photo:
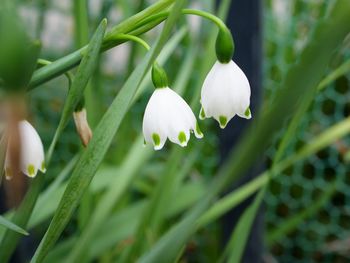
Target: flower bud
[{"x": 82, "y": 126}]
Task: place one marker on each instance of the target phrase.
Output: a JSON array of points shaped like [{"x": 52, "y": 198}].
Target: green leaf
[
  {"x": 314, "y": 59},
  {"x": 8, "y": 224},
  {"x": 239, "y": 237},
  {"x": 127, "y": 220},
  {"x": 98, "y": 146},
  {"x": 232, "y": 199},
  {"x": 85, "y": 70},
  {"x": 74, "y": 95},
  {"x": 339, "y": 71}
]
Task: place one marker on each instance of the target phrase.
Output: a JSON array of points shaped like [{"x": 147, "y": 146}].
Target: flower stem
[
  {"x": 163, "y": 15},
  {"x": 66, "y": 63},
  {"x": 133, "y": 38}
]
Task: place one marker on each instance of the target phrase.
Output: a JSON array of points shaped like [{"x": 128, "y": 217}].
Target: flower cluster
[{"x": 225, "y": 93}]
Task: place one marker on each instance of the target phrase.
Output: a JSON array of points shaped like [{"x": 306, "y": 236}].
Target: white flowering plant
[{"x": 146, "y": 203}]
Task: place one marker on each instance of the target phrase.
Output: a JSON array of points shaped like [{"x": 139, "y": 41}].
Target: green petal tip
[
  {"x": 182, "y": 138},
  {"x": 248, "y": 113},
  {"x": 222, "y": 121},
  {"x": 201, "y": 114},
  {"x": 156, "y": 141},
  {"x": 31, "y": 170}
]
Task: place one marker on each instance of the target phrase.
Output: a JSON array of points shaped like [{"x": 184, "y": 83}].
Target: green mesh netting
[{"x": 324, "y": 234}]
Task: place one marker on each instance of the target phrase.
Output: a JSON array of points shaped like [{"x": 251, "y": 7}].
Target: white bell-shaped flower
[
  {"x": 225, "y": 93},
  {"x": 32, "y": 151},
  {"x": 167, "y": 115}
]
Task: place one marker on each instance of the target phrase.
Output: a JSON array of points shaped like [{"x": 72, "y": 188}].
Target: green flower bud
[
  {"x": 159, "y": 77},
  {"x": 224, "y": 46}
]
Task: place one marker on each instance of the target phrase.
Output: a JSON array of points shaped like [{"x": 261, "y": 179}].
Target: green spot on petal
[
  {"x": 156, "y": 139},
  {"x": 31, "y": 170},
  {"x": 202, "y": 114},
  {"x": 198, "y": 131},
  {"x": 43, "y": 167},
  {"x": 182, "y": 138},
  {"x": 247, "y": 112},
  {"x": 222, "y": 121}
]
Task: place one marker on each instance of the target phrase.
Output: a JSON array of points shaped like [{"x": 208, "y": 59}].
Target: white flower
[
  {"x": 225, "y": 93},
  {"x": 167, "y": 115},
  {"x": 32, "y": 151}
]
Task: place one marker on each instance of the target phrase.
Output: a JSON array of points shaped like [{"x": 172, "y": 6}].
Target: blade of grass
[
  {"x": 129, "y": 168},
  {"x": 242, "y": 229},
  {"x": 81, "y": 20},
  {"x": 97, "y": 148},
  {"x": 221, "y": 206},
  {"x": 11, "y": 226},
  {"x": 127, "y": 220},
  {"x": 323, "y": 140},
  {"x": 79, "y": 83},
  {"x": 239, "y": 237},
  {"x": 81, "y": 33},
  {"x": 328, "y": 35},
  {"x": 154, "y": 215},
  {"x": 339, "y": 71}
]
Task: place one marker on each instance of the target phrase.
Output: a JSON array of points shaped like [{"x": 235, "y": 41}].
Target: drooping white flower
[
  {"x": 31, "y": 151},
  {"x": 225, "y": 93},
  {"x": 167, "y": 115}
]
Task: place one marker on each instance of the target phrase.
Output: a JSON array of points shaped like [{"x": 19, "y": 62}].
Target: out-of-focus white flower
[
  {"x": 167, "y": 115},
  {"x": 225, "y": 93},
  {"x": 31, "y": 151}
]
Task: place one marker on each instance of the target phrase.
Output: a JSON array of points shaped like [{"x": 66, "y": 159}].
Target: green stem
[
  {"x": 66, "y": 63},
  {"x": 68, "y": 74},
  {"x": 81, "y": 22},
  {"x": 163, "y": 15},
  {"x": 136, "y": 25},
  {"x": 135, "y": 39},
  {"x": 133, "y": 46}
]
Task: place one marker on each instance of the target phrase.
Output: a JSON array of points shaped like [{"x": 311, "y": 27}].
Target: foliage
[{"x": 117, "y": 201}]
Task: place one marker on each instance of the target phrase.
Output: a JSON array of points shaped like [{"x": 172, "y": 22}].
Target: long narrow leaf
[
  {"x": 129, "y": 169},
  {"x": 74, "y": 95},
  {"x": 328, "y": 35},
  {"x": 98, "y": 146},
  {"x": 9, "y": 225},
  {"x": 236, "y": 245}
]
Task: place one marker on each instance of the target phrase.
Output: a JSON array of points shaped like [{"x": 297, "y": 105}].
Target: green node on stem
[
  {"x": 159, "y": 77},
  {"x": 224, "y": 46}
]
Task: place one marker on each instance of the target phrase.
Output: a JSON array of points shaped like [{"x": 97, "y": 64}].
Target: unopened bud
[{"x": 82, "y": 126}]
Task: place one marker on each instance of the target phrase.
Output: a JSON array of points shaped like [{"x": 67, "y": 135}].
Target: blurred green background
[{"x": 323, "y": 230}]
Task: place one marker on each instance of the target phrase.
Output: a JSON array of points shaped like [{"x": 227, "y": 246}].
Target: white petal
[
  {"x": 169, "y": 116},
  {"x": 225, "y": 92},
  {"x": 153, "y": 120},
  {"x": 32, "y": 150}
]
